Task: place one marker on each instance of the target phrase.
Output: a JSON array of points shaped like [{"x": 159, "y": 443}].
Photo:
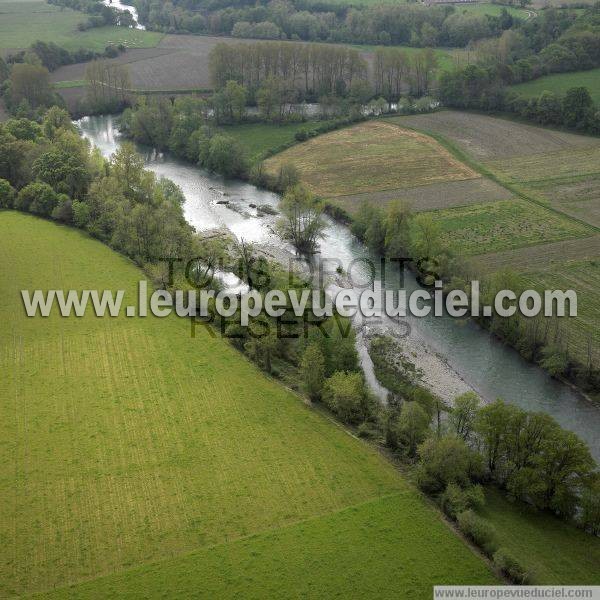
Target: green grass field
[
  {"x": 502, "y": 225},
  {"x": 135, "y": 457},
  {"x": 258, "y": 138},
  {"x": 559, "y": 83},
  {"x": 553, "y": 551},
  {"x": 26, "y": 21}
]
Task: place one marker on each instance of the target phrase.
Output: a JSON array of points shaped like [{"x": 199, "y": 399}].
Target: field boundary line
[
  {"x": 235, "y": 539},
  {"x": 564, "y": 179},
  {"x": 484, "y": 171}
]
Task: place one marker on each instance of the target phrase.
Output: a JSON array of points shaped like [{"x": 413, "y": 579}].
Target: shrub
[
  {"x": 7, "y": 194},
  {"x": 447, "y": 460},
  {"x": 63, "y": 211},
  {"x": 81, "y": 213},
  {"x": 301, "y": 136},
  {"x": 345, "y": 394},
  {"x": 455, "y": 500},
  {"x": 38, "y": 198},
  {"x": 480, "y": 531},
  {"x": 511, "y": 567}
]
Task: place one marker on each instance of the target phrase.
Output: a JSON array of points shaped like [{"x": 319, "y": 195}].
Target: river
[
  {"x": 491, "y": 368},
  {"x": 116, "y": 4}
]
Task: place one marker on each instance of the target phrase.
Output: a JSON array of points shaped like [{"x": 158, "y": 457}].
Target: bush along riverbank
[
  {"x": 113, "y": 200},
  {"x": 459, "y": 452}
]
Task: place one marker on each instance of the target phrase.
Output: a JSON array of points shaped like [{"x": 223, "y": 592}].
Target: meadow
[
  {"x": 136, "y": 457},
  {"x": 259, "y": 139},
  {"x": 559, "y": 83},
  {"x": 26, "y": 21},
  {"x": 551, "y": 550}
]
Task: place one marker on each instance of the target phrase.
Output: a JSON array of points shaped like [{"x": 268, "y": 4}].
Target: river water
[
  {"x": 124, "y": 7},
  {"x": 488, "y": 366}
]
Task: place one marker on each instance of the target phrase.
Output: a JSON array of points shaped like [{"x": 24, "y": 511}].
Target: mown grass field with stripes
[{"x": 136, "y": 458}]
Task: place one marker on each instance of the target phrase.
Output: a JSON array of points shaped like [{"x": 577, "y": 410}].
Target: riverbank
[{"x": 482, "y": 362}]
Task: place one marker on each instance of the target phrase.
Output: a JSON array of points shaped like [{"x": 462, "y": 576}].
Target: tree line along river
[{"x": 488, "y": 366}]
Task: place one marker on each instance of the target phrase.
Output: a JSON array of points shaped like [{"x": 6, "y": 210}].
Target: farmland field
[
  {"x": 490, "y": 138},
  {"x": 124, "y": 445},
  {"x": 545, "y": 167},
  {"x": 494, "y": 10},
  {"x": 502, "y": 225},
  {"x": 26, "y": 21},
  {"x": 370, "y": 157},
  {"x": 583, "y": 277},
  {"x": 532, "y": 258},
  {"x": 577, "y": 196},
  {"x": 447, "y": 58},
  {"x": 559, "y": 83}
]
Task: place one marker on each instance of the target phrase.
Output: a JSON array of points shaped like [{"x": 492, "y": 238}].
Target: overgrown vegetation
[{"x": 393, "y": 23}]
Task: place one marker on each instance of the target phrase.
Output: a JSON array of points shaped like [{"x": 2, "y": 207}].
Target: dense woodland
[
  {"x": 554, "y": 42},
  {"x": 403, "y": 24}
]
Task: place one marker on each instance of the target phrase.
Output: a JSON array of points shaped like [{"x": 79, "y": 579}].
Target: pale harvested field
[
  {"x": 371, "y": 157},
  {"x": 431, "y": 197},
  {"x": 76, "y": 72},
  {"x": 178, "y": 62},
  {"x": 489, "y": 138},
  {"x": 535, "y": 258}
]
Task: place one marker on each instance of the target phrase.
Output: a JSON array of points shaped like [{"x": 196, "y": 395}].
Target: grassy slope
[
  {"x": 559, "y": 83},
  {"x": 24, "y": 22},
  {"x": 364, "y": 551},
  {"x": 127, "y": 442},
  {"x": 555, "y": 552}
]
